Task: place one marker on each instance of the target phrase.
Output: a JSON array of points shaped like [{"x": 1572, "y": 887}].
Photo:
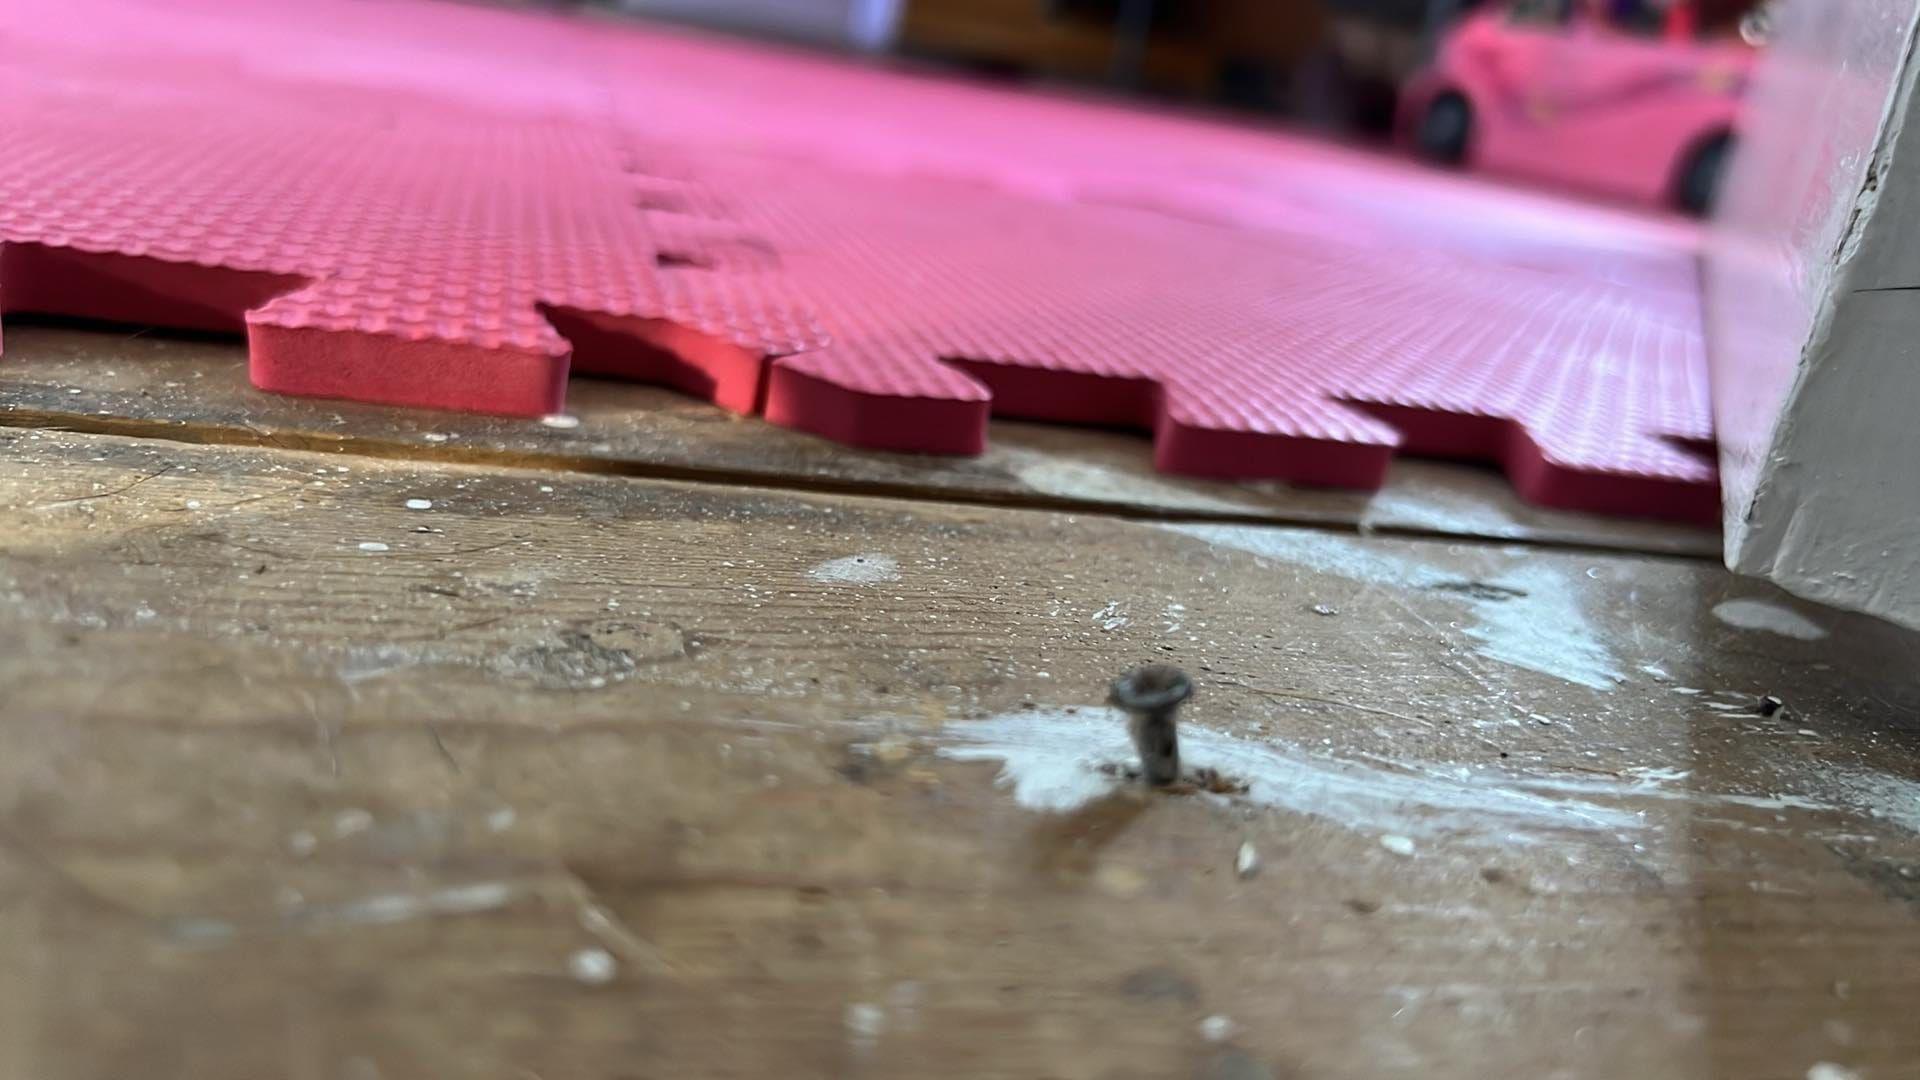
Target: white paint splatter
[
  {"x": 1771, "y": 618},
  {"x": 1174, "y": 618},
  {"x": 865, "y": 1024},
  {"x": 1879, "y": 795},
  {"x": 436, "y": 436},
  {"x": 1543, "y": 631},
  {"x": 1049, "y": 758},
  {"x": 372, "y": 545},
  {"x": 563, "y": 421},
  {"x": 869, "y": 568},
  {"x": 1655, "y": 784},
  {"x": 594, "y": 967},
  {"x": 1324, "y": 552},
  {"x": 1246, "y": 861},
  {"x": 419, "y": 504},
  {"x": 348, "y": 822},
  {"x": 383, "y": 908},
  {"x": 1399, "y": 845},
  {"x": 1052, "y": 760},
  {"x": 1453, "y": 512},
  {"x": 1527, "y": 616},
  {"x": 1055, "y": 760},
  {"x": 1218, "y": 1028},
  {"x": 376, "y": 910},
  {"x": 1088, "y": 482},
  {"x": 361, "y": 663}
]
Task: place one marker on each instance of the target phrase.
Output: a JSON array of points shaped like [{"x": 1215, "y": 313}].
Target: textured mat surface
[{"x": 432, "y": 205}]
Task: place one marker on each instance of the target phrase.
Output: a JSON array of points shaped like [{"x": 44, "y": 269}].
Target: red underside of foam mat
[{"x": 458, "y": 216}]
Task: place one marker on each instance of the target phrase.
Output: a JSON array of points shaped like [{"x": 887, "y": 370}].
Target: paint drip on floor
[
  {"x": 1059, "y": 759},
  {"x": 1051, "y": 759},
  {"x": 867, "y": 568},
  {"x": 1770, "y": 618},
  {"x": 1527, "y": 616}
]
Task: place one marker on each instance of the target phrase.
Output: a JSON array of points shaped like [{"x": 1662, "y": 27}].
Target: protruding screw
[{"x": 1151, "y": 695}]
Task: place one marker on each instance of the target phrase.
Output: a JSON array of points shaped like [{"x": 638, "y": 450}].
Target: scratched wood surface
[
  {"x": 54, "y": 376},
  {"x": 321, "y": 765}
]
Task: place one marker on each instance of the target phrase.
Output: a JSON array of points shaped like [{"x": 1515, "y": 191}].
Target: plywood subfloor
[{"x": 334, "y": 764}]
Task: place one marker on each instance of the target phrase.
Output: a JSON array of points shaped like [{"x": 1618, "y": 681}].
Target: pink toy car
[{"x": 1633, "y": 98}]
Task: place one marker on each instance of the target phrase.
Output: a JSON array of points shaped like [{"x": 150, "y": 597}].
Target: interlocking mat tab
[{"x": 425, "y": 204}]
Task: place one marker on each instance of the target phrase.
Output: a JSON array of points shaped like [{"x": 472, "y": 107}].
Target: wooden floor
[{"x": 356, "y": 743}]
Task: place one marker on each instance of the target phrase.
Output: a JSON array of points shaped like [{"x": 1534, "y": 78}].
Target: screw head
[{"x": 1149, "y": 688}]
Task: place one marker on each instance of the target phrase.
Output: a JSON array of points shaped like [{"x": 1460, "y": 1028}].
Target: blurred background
[
  {"x": 1336, "y": 64},
  {"x": 1359, "y": 69}
]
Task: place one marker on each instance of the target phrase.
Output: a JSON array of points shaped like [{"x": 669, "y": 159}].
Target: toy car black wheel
[
  {"x": 1700, "y": 176},
  {"x": 1445, "y": 129}
]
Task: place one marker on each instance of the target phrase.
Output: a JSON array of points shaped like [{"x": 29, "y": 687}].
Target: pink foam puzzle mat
[{"x": 442, "y": 206}]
